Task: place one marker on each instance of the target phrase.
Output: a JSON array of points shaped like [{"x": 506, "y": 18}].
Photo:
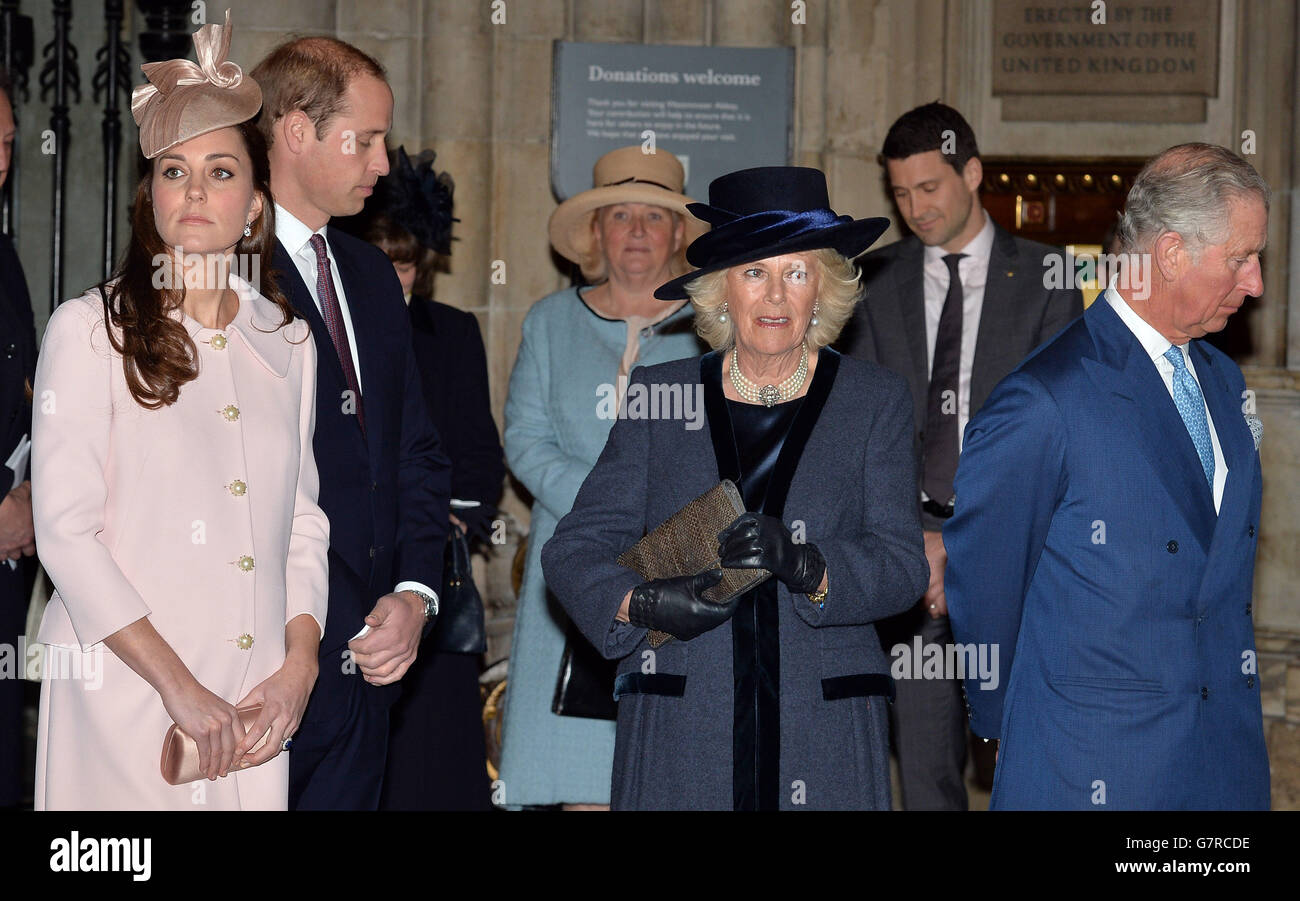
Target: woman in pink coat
[{"x": 174, "y": 488}]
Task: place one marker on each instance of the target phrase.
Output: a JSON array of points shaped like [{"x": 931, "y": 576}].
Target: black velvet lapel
[
  {"x": 744, "y": 770},
  {"x": 755, "y": 629},
  {"x": 637, "y": 683},
  {"x": 828, "y": 363},
  {"x": 715, "y": 409},
  {"x": 859, "y": 685}
]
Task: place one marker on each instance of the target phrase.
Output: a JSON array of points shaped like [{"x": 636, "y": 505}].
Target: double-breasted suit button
[
  {"x": 1251, "y": 531},
  {"x": 1172, "y": 546},
  {"x": 1248, "y": 609},
  {"x": 238, "y": 488},
  {"x": 244, "y": 642},
  {"x": 1250, "y": 681},
  {"x": 230, "y": 413},
  {"x": 245, "y": 564},
  {"x": 11, "y": 350},
  {"x": 1205, "y": 693},
  {"x": 218, "y": 342}
]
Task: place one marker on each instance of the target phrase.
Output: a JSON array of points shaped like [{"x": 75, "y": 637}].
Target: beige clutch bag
[
  {"x": 686, "y": 544},
  {"x": 180, "y": 753}
]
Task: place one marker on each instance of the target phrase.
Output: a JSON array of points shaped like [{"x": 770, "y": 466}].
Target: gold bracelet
[{"x": 819, "y": 597}]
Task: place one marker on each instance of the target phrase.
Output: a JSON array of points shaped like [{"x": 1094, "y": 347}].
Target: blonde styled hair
[
  {"x": 595, "y": 268},
  {"x": 837, "y": 293}
]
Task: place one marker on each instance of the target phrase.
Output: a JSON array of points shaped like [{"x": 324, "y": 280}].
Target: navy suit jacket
[
  {"x": 17, "y": 370},
  {"x": 386, "y": 493},
  {"x": 1086, "y": 548},
  {"x": 17, "y": 357},
  {"x": 453, "y": 366}
]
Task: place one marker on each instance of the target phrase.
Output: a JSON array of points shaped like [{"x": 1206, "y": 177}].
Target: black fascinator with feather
[{"x": 418, "y": 199}]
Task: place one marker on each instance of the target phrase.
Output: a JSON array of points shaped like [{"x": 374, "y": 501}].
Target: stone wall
[{"x": 479, "y": 94}]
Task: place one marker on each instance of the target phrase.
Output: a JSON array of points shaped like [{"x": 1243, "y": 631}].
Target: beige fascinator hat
[
  {"x": 625, "y": 175},
  {"x": 183, "y": 100}
]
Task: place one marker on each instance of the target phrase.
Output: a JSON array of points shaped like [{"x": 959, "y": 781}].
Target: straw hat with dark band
[
  {"x": 625, "y": 175},
  {"x": 183, "y": 100}
]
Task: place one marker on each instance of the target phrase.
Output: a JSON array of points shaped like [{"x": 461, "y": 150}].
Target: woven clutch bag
[{"x": 686, "y": 544}]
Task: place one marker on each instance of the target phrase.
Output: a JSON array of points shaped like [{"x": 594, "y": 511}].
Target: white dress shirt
[
  {"x": 1157, "y": 345},
  {"x": 974, "y": 272},
  {"x": 17, "y": 464},
  {"x": 296, "y": 238}
]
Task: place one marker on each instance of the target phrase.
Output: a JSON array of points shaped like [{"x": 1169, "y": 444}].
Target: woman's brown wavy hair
[{"x": 158, "y": 354}]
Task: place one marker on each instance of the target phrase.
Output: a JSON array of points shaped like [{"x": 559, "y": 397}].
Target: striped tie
[{"x": 329, "y": 305}]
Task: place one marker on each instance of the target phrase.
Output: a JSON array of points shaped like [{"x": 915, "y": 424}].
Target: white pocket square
[{"x": 1256, "y": 428}]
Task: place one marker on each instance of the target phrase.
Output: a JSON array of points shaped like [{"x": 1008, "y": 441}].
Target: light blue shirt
[{"x": 1156, "y": 345}]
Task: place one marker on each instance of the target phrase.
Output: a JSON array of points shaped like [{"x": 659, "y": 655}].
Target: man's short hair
[
  {"x": 6, "y": 86},
  {"x": 312, "y": 75},
  {"x": 934, "y": 126},
  {"x": 1187, "y": 189}
]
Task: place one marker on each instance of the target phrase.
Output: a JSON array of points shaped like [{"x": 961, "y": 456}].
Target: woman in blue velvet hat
[{"x": 776, "y": 700}]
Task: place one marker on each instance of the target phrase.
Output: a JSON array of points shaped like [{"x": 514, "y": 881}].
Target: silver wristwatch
[{"x": 430, "y": 604}]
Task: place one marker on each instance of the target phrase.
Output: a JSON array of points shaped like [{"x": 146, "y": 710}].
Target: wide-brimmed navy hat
[{"x": 766, "y": 212}]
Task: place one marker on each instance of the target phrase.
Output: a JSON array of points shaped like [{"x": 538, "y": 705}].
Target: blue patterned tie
[{"x": 1191, "y": 406}]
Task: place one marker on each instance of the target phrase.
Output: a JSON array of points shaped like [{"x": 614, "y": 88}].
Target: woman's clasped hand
[{"x": 759, "y": 541}]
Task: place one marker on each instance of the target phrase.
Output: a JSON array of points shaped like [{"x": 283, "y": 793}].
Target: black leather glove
[
  {"x": 478, "y": 522},
  {"x": 757, "y": 541},
  {"x": 677, "y": 605}
]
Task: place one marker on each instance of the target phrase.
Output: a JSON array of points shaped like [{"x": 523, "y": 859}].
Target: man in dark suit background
[
  {"x": 17, "y": 538},
  {"x": 953, "y": 307},
  {"x": 437, "y": 744},
  {"x": 385, "y": 483}
]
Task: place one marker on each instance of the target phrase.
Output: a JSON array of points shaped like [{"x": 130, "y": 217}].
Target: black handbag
[
  {"x": 460, "y": 627},
  {"x": 585, "y": 686}
]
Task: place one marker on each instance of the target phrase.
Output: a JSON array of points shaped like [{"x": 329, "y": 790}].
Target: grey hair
[
  {"x": 1187, "y": 190},
  {"x": 837, "y": 293}
]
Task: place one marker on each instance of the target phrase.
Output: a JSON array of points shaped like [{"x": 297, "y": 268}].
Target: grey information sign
[{"x": 717, "y": 108}]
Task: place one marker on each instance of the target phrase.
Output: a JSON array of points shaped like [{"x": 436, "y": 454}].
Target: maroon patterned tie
[{"x": 329, "y": 305}]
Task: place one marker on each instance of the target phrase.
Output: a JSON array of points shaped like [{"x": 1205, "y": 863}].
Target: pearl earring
[
  {"x": 722, "y": 316},
  {"x": 816, "y": 309},
  {"x": 248, "y": 229}
]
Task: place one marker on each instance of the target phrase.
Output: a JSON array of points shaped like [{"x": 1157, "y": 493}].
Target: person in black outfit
[
  {"x": 17, "y": 539},
  {"x": 436, "y": 753}
]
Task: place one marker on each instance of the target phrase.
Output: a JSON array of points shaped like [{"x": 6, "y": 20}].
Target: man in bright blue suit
[{"x": 1106, "y": 523}]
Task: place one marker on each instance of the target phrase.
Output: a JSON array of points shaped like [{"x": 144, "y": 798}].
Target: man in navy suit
[
  {"x": 385, "y": 484},
  {"x": 17, "y": 538},
  {"x": 1107, "y": 517}
]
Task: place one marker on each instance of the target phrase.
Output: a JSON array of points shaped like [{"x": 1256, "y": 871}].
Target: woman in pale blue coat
[{"x": 579, "y": 346}]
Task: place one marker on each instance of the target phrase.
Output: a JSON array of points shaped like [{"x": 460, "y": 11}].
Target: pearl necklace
[{"x": 769, "y": 395}]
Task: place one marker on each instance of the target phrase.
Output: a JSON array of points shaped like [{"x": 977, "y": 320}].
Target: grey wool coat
[{"x": 784, "y": 705}]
